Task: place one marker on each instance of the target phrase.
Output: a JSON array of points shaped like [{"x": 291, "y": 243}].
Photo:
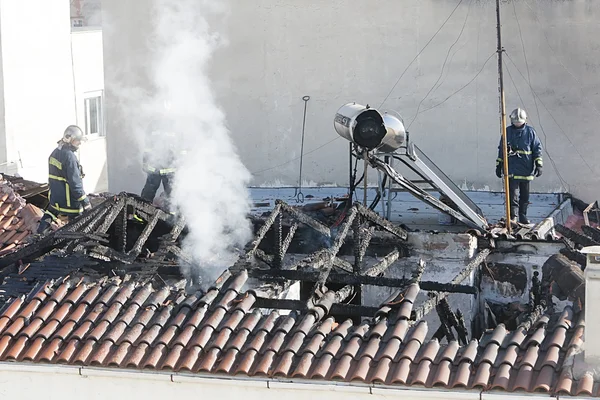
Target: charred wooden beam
[
  {"x": 278, "y": 256},
  {"x": 350, "y": 279},
  {"x": 81, "y": 235},
  {"x": 374, "y": 271},
  {"x": 177, "y": 229},
  {"x": 112, "y": 215},
  {"x": 435, "y": 297},
  {"x": 418, "y": 272},
  {"x": 574, "y": 236},
  {"x": 343, "y": 265},
  {"x": 299, "y": 305},
  {"x": 139, "y": 243},
  {"x": 121, "y": 228},
  {"x": 288, "y": 239},
  {"x": 593, "y": 233},
  {"x": 50, "y": 241},
  {"x": 303, "y": 218},
  {"x": 75, "y": 246},
  {"x": 574, "y": 255},
  {"x": 332, "y": 252},
  {"x": 107, "y": 254},
  {"x": 252, "y": 246},
  {"x": 384, "y": 223}
]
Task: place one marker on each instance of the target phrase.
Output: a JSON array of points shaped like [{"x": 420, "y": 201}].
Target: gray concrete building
[{"x": 341, "y": 51}]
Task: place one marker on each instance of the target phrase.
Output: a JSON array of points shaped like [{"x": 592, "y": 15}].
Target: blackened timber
[
  {"x": 50, "y": 241},
  {"x": 351, "y": 279},
  {"x": 112, "y": 215},
  {"x": 305, "y": 219},
  {"x": 180, "y": 254},
  {"x": 574, "y": 255},
  {"x": 121, "y": 228},
  {"x": 385, "y": 224},
  {"x": 278, "y": 228},
  {"x": 177, "y": 229},
  {"x": 358, "y": 260},
  {"x": 252, "y": 246},
  {"x": 374, "y": 271},
  {"x": 336, "y": 308},
  {"x": 342, "y": 264},
  {"x": 435, "y": 297},
  {"x": 593, "y": 233},
  {"x": 339, "y": 240},
  {"x": 343, "y": 232},
  {"x": 75, "y": 245},
  {"x": 82, "y": 220},
  {"x": 108, "y": 254},
  {"x": 81, "y": 235},
  {"x": 288, "y": 239},
  {"x": 139, "y": 243},
  {"x": 574, "y": 236},
  {"x": 418, "y": 272},
  {"x": 264, "y": 257}
]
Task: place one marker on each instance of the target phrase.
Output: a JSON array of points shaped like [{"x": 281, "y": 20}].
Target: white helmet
[
  {"x": 518, "y": 116},
  {"x": 73, "y": 132}
]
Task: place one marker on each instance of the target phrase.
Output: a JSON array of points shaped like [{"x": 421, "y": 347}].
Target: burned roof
[
  {"x": 107, "y": 291},
  {"x": 120, "y": 322}
]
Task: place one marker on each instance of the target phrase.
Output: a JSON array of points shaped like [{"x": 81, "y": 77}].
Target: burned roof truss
[
  {"x": 88, "y": 233},
  {"x": 331, "y": 279}
]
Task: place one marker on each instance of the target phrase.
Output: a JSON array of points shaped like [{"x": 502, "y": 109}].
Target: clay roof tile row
[{"x": 124, "y": 324}]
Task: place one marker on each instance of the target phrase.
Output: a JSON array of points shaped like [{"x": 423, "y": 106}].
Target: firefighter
[
  {"x": 524, "y": 162},
  {"x": 159, "y": 159},
  {"x": 66, "y": 195}
]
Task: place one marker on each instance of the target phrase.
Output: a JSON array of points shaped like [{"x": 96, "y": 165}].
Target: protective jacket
[
  {"x": 524, "y": 152},
  {"x": 66, "y": 192},
  {"x": 161, "y": 153}
]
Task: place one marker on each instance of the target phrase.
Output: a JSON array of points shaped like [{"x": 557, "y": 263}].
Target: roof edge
[{"x": 244, "y": 381}]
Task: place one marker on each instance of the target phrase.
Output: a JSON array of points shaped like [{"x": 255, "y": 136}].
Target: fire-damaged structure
[{"x": 107, "y": 291}]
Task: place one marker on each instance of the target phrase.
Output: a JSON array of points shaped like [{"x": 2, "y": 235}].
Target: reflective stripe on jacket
[
  {"x": 524, "y": 152},
  {"x": 66, "y": 192},
  {"x": 161, "y": 154}
]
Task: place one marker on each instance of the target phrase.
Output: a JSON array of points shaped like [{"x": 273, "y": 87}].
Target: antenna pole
[{"x": 500, "y": 50}]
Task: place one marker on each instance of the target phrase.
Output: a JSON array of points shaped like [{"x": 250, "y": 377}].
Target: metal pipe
[{"x": 500, "y": 50}]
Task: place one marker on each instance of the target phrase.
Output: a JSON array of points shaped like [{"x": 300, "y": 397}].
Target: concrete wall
[
  {"x": 23, "y": 381},
  {"x": 340, "y": 51},
  {"x": 39, "y": 100},
  {"x": 89, "y": 82},
  {"x": 125, "y": 53}
]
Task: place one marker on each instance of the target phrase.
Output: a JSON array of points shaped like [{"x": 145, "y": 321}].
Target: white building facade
[{"x": 51, "y": 77}]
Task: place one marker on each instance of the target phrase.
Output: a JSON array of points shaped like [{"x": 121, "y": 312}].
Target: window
[{"x": 93, "y": 116}]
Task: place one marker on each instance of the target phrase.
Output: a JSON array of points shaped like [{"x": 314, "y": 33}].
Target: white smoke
[{"x": 210, "y": 188}]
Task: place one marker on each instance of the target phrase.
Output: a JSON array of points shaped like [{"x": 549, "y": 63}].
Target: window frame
[{"x": 87, "y": 98}]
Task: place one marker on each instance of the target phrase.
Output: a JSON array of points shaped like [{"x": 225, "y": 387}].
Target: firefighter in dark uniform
[
  {"x": 159, "y": 162},
  {"x": 524, "y": 162},
  {"x": 66, "y": 195}
]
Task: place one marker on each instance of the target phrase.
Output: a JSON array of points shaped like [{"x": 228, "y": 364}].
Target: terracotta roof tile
[
  {"x": 17, "y": 219},
  {"x": 125, "y": 324}
]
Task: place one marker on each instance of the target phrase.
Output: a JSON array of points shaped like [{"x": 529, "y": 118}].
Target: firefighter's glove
[
  {"x": 538, "y": 170},
  {"x": 87, "y": 205},
  {"x": 499, "y": 170}
]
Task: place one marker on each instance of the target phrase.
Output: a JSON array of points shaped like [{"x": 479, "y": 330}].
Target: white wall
[
  {"x": 340, "y": 51},
  {"x": 89, "y": 81},
  {"x": 22, "y": 381},
  {"x": 39, "y": 100},
  {"x": 47, "y": 72}
]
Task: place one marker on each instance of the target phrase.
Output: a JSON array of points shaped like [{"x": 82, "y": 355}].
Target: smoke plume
[{"x": 210, "y": 185}]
